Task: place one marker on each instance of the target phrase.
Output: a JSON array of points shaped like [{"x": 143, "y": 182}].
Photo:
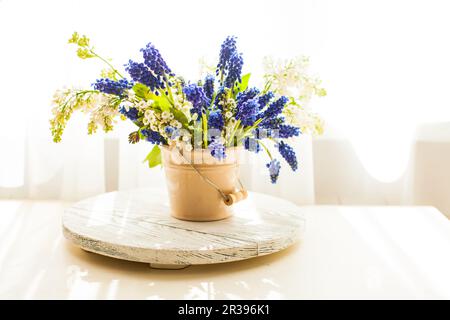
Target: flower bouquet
[{"x": 198, "y": 129}]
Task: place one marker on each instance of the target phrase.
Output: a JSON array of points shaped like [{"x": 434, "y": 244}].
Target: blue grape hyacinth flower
[
  {"x": 131, "y": 114},
  {"x": 217, "y": 149},
  {"x": 230, "y": 63},
  {"x": 227, "y": 49},
  {"x": 155, "y": 62},
  {"x": 271, "y": 124},
  {"x": 286, "y": 131},
  {"x": 219, "y": 97},
  {"x": 288, "y": 154},
  {"x": 274, "y": 170},
  {"x": 197, "y": 97},
  {"x": 112, "y": 87},
  {"x": 275, "y": 108},
  {"x": 208, "y": 86},
  {"x": 234, "y": 70},
  {"x": 139, "y": 72},
  {"x": 153, "y": 136},
  {"x": 265, "y": 99},
  {"x": 247, "y": 112},
  {"x": 215, "y": 120},
  {"x": 247, "y": 95}
]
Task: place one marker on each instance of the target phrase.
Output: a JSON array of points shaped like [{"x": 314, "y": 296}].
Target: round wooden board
[{"x": 136, "y": 225}]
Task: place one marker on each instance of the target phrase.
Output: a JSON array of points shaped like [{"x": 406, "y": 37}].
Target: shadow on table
[
  {"x": 132, "y": 280},
  {"x": 137, "y": 267}
]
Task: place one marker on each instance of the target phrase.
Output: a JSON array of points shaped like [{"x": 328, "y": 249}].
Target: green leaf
[
  {"x": 154, "y": 157},
  {"x": 142, "y": 91},
  {"x": 163, "y": 103},
  {"x": 244, "y": 83},
  {"x": 181, "y": 117}
]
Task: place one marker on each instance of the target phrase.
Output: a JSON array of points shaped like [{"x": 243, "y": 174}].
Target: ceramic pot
[{"x": 191, "y": 197}]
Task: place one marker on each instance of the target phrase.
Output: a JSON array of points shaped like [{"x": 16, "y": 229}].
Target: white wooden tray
[{"x": 136, "y": 225}]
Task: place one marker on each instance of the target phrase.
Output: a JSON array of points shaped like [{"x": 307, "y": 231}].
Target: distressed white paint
[{"x": 136, "y": 225}]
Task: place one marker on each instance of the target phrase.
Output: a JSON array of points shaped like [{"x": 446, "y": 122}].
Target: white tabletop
[
  {"x": 346, "y": 252},
  {"x": 136, "y": 225}
]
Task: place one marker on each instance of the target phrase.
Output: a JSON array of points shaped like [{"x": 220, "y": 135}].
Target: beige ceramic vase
[{"x": 191, "y": 196}]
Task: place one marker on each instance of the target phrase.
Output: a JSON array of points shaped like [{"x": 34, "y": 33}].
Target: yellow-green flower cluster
[
  {"x": 103, "y": 115},
  {"x": 83, "y": 51},
  {"x": 99, "y": 106}
]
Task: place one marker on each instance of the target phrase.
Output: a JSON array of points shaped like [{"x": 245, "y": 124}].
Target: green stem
[
  {"x": 75, "y": 96},
  {"x": 212, "y": 100},
  {"x": 170, "y": 94},
  {"x": 205, "y": 130},
  {"x": 236, "y": 125},
  {"x": 265, "y": 148},
  {"x": 81, "y": 92},
  {"x": 107, "y": 62},
  {"x": 266, "y": 87},
  {"x": 254, "y": 126},
  {"x": 221, "y": 77}
]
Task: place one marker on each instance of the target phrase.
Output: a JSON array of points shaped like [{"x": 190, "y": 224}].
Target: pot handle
[{"x": 235, "y": 197}]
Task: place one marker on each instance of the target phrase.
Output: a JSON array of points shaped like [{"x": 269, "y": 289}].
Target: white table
[{"x": 347, "y": 252}]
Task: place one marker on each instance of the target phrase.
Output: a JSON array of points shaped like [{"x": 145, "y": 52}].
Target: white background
[{"x": 385, "y": 65}]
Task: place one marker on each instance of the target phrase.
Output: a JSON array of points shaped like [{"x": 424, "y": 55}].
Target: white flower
[
  {"x": 205, "y": 67},
  {"x": 228, "y": 114},
  {"x": 176, "y": 124},
  {"x": 306, "y": 120},
  {"x": 292, "y": 79},
  {"x": 131, "y": 95},
  {"x": 141, "y": 105},
  {"x": 194, "y": 116},
  {"x": 187, "y": 104},
  {"x": 99, "y": 100},
  {"x": 165, "y": 115},
  {"x": 149, "y": 114},
  {"x": 188, "y": 147},
  {"x": 144, "y": 105}
]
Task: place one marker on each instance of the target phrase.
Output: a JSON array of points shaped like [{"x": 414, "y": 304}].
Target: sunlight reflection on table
[{"x": 347, "y": 252}]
